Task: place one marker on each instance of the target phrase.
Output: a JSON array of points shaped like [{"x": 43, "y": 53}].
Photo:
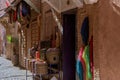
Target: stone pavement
[{"x": 10, "y": 72}]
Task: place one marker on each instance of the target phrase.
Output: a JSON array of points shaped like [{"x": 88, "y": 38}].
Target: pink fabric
[
  {"x": 7, "y": 3},
  {"x": 80, "y": 53},
  {"x": 82, "y": 60}
]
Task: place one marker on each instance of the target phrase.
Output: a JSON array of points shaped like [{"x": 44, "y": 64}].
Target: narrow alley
[
  {"x": 59, "y": 39},
  {"x": 10, "y": 72}
]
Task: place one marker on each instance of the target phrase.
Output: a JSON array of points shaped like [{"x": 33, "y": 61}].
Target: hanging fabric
[
  {"x": 25, "y": 9},
  {"x": 7, "y": 3},
  {"x": 87, "y": 62},
  {"x": 15, "y": 16},
  {"x": 85, "y": 31},
  {"x": 9, "y": 38},
  {"x": 80, "y": 66},
  {"x": 18, "y": 12},
  {"x": 20, "y": 7},
  {"x": 26, "y": 12},
  {"x": 3, "y": 5},
  {"x": 91, "y": 57}
]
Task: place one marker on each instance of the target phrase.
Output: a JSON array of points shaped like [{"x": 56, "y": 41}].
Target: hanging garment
[
  {"x": 82, "y": 61},
  {"x": 79, "y": 70},
  {"x": 85, "y": 31},
  {"x": 9, "y": 38},
  {"x": 80, "y": 65},
  {"x": 15, "y": 16},
  {"x": 18, "y": 12},
  {"x": 91, "y": 57},
  {"x": 86, "y": 58},
  {"x": 7, "y": 3},
  {"x": 25, "y": 9}
]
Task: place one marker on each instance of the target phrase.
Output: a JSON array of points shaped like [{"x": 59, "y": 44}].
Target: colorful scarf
[
  {"x": 86, "y": 57},
  {"x": 80, "y": 65}
]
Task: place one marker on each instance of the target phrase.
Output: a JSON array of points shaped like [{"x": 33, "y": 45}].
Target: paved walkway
[{"x": 10, "y": 72}]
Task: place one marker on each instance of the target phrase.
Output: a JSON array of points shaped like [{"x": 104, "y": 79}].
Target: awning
[
  {"x": 12, "y": 6},
  {"x": 35, "y": 4},
  {"x": 2, "y": 13},
  {"x": 90, "y": 1},
  {"x": 64, "y": 5},
  {"x": 3, "y": 5}
]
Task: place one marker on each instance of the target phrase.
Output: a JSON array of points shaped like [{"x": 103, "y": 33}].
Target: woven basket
[
  {"x": 52, "y": 56},
  {"x": 41, "y": 68}
]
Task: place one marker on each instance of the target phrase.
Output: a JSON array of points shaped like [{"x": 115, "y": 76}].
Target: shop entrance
[{"x": 69, "y": 23}]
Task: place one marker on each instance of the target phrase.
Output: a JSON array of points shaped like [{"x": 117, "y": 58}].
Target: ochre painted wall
[
  {"x": 109, "y": 41},
  {"x": 105, "y": 27}
]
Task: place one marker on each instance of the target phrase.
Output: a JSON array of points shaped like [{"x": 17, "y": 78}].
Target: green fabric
[
  {"x": 86, "y": 58},
  {"x": 9, "y": 38}
]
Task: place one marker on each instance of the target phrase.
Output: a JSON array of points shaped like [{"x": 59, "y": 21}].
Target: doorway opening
[{"x": 69, "y": 29}]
